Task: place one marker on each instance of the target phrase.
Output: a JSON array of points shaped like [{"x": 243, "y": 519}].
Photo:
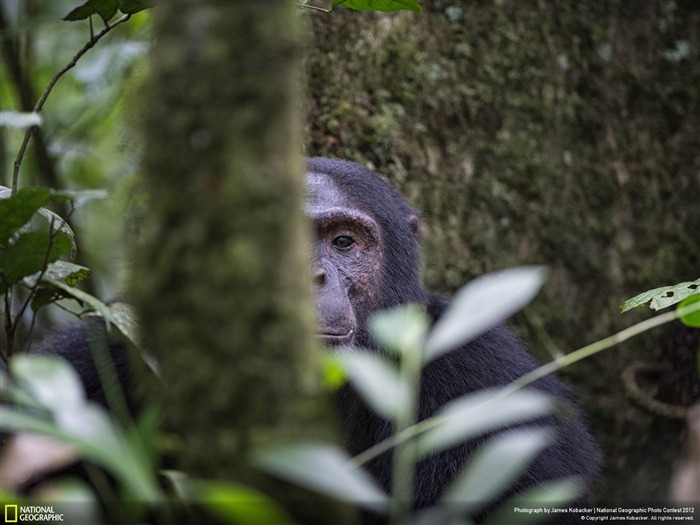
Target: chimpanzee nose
[{"x": 319, "y": 275}]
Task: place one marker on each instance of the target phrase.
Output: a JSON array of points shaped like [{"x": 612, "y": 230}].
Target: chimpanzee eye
[{"x": 343, "y": 243}]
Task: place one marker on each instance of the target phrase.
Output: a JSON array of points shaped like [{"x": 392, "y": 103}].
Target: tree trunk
[{"x": 222, "y": 278}]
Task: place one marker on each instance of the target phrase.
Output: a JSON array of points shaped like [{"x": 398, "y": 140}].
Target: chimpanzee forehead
[{"x": 322, "y": 193}]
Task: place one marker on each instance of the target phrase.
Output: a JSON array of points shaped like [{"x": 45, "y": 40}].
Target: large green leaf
[
  {"x": 479, "y": 413},
  {"x": 379, "y": 5},
  {"x": 54, "y": 385},
  {"x": 377, "y": 380},
  {"x": 557, "y": 494},
  {"x": 663, "y": 297},
  {"x": 481, "y": 304},
  {"x": 235, "y": 503},
  {"x": 493, "y": 468},
  {"x": 401, "y": 329},
  {"x": 692, "y": 319},
  {"x": 29, "y": 254},
  {"x": 326, "y": 469},
  {"x": 17, "y": 209},
  {"x": 105, "y": 8}
]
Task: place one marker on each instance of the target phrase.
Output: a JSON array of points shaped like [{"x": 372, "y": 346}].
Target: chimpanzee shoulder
[{"x": 81, "y": 344}]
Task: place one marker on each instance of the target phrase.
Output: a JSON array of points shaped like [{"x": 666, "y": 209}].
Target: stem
[
  {"x": 40, "y": 104},
  {"x": 537, "y": 373},
  {"x": 405, "y": 454}
]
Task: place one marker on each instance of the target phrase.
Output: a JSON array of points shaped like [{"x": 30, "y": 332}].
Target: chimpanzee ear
[{"x": 415, "y": 221}]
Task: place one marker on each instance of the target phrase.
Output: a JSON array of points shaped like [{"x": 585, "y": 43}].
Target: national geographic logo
[{"x": 31, "y": 514}]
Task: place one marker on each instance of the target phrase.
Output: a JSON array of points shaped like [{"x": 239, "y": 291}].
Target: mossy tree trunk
[{"x": 222, "y": 276}]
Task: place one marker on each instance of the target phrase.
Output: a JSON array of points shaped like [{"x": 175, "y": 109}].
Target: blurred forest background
[{"x": 527, "y": 132}]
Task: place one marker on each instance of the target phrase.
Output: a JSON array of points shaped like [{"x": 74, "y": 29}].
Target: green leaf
[
  {"x": 235, "y": 503},
  {"x": 493, "y": 468},
  {"x": 59, "y": 225},
  {"x": 400, "y": 329},
  {"x": 83, "y": 424},
  {"x": 379, "y": 5},
  {"x": 663, "y": 297},
  {"x": 123, "y": 316},
  {"x": 333, "y": 372},
  {"x": 481, "y": 304},
  {"x": 326, "y": 469},
  {"x": 105, "y": 8},
  {"x": 553, "y": 494},
  {"x": 377, "y": 380},
  {"x": 83, "y": 297},
  {"x": 29, "y": 254},
  {"x": 479, "y": 413},
  {"x": 134, "y": 6},
  {"x": 16, "y": 210},
  {"x": 19, "y": 120},
  {"x": 692, "y": 319},
  {"x": 67, "y": 272},
  {"x": 49, "y": 381},
  {"x": 46, "y": 296}
]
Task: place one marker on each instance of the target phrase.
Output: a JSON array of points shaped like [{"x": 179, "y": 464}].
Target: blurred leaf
[
  {"x": 333, "y": 373},
  {"x": 377, "y": 380},
  {"x": 19, "y": 120},
  {"x": 134, "y": 6},
  {"x": 493, "y": 468},
  {"x": 70, "y": 497},
  {"x": 553, "y": 494},
  {"x": 481, "y": 304},
  {"x": 81, "y": 197},
  {"x": 50, "y": 381},
  {"x": 29, "y": 254},
  {"x": 326, "y": 469},
  {"x": 236, "y": 503},
  {"x": 77, "y": 422},
  {"x": 105, "y": 8},
  {"x": 663, "y": 297},
  {"x": 479, "y": 413},
  {"x": 400, "y": 329},
  {"x": 379, "y": 5},
  {"x": 16, "y": 210},
  {"x": 693, "y": 319}
]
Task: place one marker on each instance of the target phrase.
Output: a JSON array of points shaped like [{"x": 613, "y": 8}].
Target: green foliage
[
  {"x": 60, "y": 411},
  {"x": 691, "y": 319},
  {"x": 19, "y": 120},
  {"x": 481, "y": 304},
  {"x": 235, "y": 503},
  {"x": 379, "y": 5},
  {"x": 393, "y": 392},
  {"x": 106, "y": 9},
  {"x": 327, "y": 469},
  {"x": 663, "y": 297}
]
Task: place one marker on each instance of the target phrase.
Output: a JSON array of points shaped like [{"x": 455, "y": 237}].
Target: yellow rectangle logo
[{"x": 11, "y": 513}]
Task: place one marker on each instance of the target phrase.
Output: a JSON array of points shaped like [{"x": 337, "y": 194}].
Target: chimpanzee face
[{"x": 346, "y": 260}]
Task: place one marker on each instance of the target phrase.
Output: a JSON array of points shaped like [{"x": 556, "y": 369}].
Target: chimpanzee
[{"x": 366, "y": 258}]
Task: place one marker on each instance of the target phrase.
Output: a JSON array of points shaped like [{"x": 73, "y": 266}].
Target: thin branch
[{"x": 40, "y": 104}]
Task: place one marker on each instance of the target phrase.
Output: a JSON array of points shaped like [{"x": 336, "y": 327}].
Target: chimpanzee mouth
[{"x": 331, "y": 339}]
